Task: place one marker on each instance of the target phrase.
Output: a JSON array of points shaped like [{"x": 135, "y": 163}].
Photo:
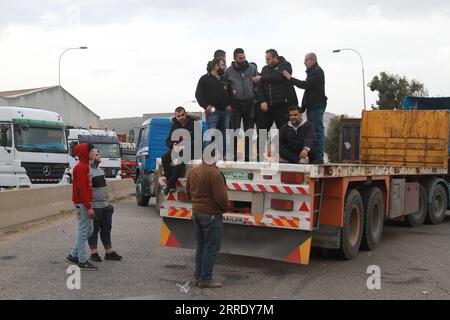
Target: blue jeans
[
  {"x": 208, "y": 232},
  {"x": 220, "y": 120},
  {"x": 315, "y": 115},
  {"x": 85, "y": 229},
  {"x": 102, "y": 223}
]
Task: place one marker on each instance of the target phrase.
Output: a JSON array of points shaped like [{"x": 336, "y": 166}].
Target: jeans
[
  {"x": 315, "y": 115},
  {"x": 85, "y": 229},
  {"x": 102, "y": 223},
  {"x": 208, "y": 232},
  {"x": 243, "y": 110},
  {"x": 220, "y": 120}
]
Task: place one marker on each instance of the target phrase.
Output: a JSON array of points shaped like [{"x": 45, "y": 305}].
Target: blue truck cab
[{"x": 151, "y": 145}]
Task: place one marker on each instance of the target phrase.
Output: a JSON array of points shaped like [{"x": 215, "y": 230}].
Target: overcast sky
[{"x": 147, "y": 56}]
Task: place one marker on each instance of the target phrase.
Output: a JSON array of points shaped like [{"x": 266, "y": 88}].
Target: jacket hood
[
  {"x": 82, "y": 152},
  {"x": 190, "y": 118}
]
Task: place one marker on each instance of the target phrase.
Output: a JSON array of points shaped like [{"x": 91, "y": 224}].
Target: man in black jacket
[
  {"x": 298, "y": 139},
  {"x": 214, "y": 94},
  {"x": 314, "y": 99},
  {"x": 181, "y": 121},
  {"x": 275, "y": 93}
]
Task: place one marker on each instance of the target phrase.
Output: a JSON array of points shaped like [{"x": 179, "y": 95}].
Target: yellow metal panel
[{"x": 406, "y": 138}]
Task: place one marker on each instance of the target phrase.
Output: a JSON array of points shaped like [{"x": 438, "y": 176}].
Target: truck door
[
  {"x": 142, "y": 147},
  {"x": 6, "y": 145}
]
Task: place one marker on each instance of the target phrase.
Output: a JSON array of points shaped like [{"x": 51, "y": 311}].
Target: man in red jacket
[{"x": 82, "y": 197}]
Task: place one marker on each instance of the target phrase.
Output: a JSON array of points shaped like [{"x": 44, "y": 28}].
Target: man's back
[{"x": 206, "y": 188}]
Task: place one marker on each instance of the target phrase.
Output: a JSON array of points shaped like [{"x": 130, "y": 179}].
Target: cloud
[{"x": 147, "y": 56}]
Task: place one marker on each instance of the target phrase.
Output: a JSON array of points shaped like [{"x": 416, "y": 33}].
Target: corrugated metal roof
[{"x": 16, "y": 93}]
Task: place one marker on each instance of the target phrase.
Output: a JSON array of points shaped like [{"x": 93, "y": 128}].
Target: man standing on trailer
[{"x": 314, "y": 99}]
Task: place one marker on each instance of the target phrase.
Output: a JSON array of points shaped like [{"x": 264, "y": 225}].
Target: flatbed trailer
[{"x": 279, "y": 211}]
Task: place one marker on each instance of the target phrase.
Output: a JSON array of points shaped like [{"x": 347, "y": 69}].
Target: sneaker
[
  {"x": 87, "y": 266},
  {"x": 211, "y": 284},
  {"x": 95, "y": 257},
  {"x": 71, "y": 260},
  {"x": 113, "y": 256}
]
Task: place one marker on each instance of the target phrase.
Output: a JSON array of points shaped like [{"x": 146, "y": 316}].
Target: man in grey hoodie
[
  {"x": 103, "y": 213},
  {"x": 241, "y": 76}
]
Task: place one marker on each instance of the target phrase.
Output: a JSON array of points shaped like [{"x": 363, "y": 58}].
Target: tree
[
  {"x": 332, "y": 139},
  {"x": 392, "y": 89}
]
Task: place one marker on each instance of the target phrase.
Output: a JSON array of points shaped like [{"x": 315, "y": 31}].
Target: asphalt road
[{"x": 414, "y": 264}]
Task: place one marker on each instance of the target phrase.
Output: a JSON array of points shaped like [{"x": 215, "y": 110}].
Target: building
[{"x": 56, "y": 99}]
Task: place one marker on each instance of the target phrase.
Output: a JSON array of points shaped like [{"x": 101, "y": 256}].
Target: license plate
[{"x": 236, "y": 175}]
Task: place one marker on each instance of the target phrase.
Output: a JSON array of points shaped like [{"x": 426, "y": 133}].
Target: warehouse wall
[{"x": 73, "y": 112}]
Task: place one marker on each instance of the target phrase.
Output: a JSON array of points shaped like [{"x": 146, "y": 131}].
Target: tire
[
  {"x": 141, "y": 199},
  {"x": 418, "y": 218},
  {"x": 373, "y": 218},
  {"x": 352, "y": 231},
  {"x": 438, "y": 206}
]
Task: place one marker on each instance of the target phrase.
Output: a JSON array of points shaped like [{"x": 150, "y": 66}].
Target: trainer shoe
[
  {"x": 71, "y": 260},
  {"x": 87, "y": 266},
  {"x": 113, "y": 256},
  {"x": 211, "y": 284},
  {"x": 95, "y": 257}
]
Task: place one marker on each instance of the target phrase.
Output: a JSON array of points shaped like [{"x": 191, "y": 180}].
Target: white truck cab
[
  {"x": 105, "y": 141},
  {"x": 33, "y": 148}
]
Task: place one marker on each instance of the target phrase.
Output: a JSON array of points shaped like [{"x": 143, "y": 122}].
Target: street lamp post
[
  {"x": 59, "y": 69},
  {"x": 362, "y": 66}
]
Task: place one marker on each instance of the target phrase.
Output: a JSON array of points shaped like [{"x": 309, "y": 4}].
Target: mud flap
[{"x": 286, "y": 245}]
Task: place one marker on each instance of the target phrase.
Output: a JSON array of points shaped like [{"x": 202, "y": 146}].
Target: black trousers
[
  {"x": 242, "y": 112},
  {"x": 172, "y": 173},
  {"x": 264, "y": 120},
  {"x": 102, "y": 224},
  {"x": 294, "y": 156}
]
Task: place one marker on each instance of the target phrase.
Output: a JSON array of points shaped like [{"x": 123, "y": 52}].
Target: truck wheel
[
  {"x": 352, "y": 231},
  {"x": 438, "y": 206},
  {"x": 373, "y": 218},
  {"x": 416, "y": 219},
  {"x": 141, "y": 199}
]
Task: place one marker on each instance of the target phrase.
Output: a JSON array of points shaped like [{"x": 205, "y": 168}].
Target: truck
[
  {"x": 33, "y": 148},
  {"x": 128, "y": 164},
  {"x": 280, "y": 211},
  {"x": 105, "y": 141}
]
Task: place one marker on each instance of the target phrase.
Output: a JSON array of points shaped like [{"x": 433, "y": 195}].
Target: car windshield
[
  {"x": 40, "y": 139},
  {"x": 108, "y": 150}
]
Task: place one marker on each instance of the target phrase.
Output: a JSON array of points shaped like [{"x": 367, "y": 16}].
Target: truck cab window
[{"x": 5, "y": 135}]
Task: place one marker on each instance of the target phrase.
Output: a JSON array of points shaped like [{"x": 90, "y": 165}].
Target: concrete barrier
[{"x": 22, "y": 206}]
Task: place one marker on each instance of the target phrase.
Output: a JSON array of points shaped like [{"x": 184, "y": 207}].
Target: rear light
[
  {"x": 283, "y": 205},
  {"x": 181, "y": 196},
  {"x": 292, "y": 177},
  {"x": 267, "y": 177}
]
